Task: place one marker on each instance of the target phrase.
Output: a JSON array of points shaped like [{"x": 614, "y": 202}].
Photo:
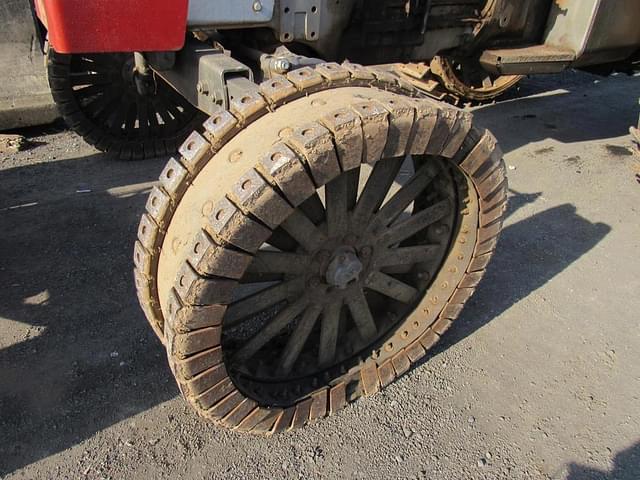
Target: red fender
[{"x": 91, "y": 26}]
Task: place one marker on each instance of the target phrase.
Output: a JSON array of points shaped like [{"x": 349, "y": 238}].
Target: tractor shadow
[{"x": 76, "y": 354}]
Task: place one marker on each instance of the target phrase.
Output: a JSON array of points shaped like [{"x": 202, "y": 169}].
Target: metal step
[{"x": 527, "y": 60}]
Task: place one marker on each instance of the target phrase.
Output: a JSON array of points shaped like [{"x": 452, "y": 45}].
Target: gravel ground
[{"x": 539, "y": 378}]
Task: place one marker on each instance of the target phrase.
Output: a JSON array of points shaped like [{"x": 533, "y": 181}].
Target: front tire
[{"x": 369, "y": 215}]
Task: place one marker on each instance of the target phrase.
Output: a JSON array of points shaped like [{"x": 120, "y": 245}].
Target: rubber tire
[
  {"x": 180, "y": 301},
  {"x": 58, "y": 66}
]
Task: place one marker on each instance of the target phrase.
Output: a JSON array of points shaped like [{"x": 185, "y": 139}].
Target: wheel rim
[
  {"x": 345, "y": 270},
  {"x": 467, "y": 78},
  {"x": 104, "y": 88}
]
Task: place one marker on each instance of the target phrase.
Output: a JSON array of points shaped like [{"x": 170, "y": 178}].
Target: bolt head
[
  {"x": 282, "y": 65},
  {"x": 423, "y": 275},
  {"x": 257, "y": 6}
]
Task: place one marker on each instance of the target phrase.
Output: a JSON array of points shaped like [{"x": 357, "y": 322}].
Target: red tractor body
[{"x": 80, "y": 26}]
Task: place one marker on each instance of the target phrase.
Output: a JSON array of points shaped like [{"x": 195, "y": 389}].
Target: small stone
[
  {"x": 482, "y": 462},
  {"x": 10, "y": 143},
  {"x": 488, "y": 455},
  {"x": 471, "y": 420},
  {"x": 512, "y": 167}
]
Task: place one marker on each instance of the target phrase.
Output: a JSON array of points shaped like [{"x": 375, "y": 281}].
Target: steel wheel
[
  {"x": 300, "y": 256},
  {"x": 467, "y": 78},
  {"x": 98, "y": 98},
  {"x": 338, "y": 275}
]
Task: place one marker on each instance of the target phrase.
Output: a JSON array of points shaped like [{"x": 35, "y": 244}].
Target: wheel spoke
[
  {"x": 154, "y": 126},
  {"x": 94, "y": 107},
  {"x": 117, "y": 119},
  {"x": 329, "y": 333},
  {"x": 279, "y": 262},
  {"x": 407, "y": 194},
  {"x": 282, "y": 240},
  {"x": 381, "y": 178},
  {"x": 391, "y": 287},
  {"x": 406, "y": 255},
  {"x": 304, "y": 231},
  {"x": 143, "y": 118},
  {"x": 297, "y": 339},
  {"x": 130, "y": 120},
  {"x": 361, "y": 315},
  {"x": 415, "y": 223},
  {"x": 266, "y": 334},
  {"x": 88, "y": 91},
  {"x": 353, "y": 181},
  {"x": 336, "y": 199},
  {"x": 248, "y": 306},
  {"x": 313, "y": 208},
  {"x": 78, "y": 79},
  {"x": 103, "y": 116}
]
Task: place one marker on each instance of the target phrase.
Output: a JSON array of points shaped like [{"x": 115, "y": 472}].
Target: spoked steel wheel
[
  {"x": 339, "y": 274},
  {"x": 98, "y": 98},
  {"x": 467, "y": 78},
  {"x": 301, "y": 255}
]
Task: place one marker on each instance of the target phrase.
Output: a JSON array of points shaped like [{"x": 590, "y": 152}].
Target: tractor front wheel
[{"x": 315, "y": 245}]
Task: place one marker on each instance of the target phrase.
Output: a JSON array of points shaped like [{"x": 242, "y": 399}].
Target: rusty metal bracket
[{"x": 201, "y": 74}]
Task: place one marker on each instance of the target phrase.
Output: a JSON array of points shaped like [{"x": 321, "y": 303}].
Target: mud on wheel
[
  {"x": 316, "y": 242},
  {"x": 98, "y": 98}
]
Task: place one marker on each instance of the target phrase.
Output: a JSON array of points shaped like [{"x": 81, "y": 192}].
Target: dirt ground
[{"x": 539, "y": 377}]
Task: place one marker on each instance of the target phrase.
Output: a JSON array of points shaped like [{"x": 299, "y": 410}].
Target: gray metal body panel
[
  {"x": 597, "y": 31},
  {"x": 225, "y": 13}
]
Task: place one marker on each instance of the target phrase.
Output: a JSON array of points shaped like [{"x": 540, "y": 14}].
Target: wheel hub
[{"x": 344, "y": 268}]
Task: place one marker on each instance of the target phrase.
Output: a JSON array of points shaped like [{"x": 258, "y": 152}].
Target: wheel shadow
[
  {"x": 626, "y": 466},
  {"x": 529, "y": 254},
  {"x": 76, "y": 355}
]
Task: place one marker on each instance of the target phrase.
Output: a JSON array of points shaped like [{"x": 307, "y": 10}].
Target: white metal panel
[{"x": 229, "y": 13}]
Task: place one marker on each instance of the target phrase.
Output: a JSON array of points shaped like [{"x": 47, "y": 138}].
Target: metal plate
[{"x": 220, "y": 13}]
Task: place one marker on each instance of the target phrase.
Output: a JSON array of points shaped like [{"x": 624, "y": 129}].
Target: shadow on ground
[
  {"x": 89, "y": 360},
  {"x": 576, "y": 110},
  {"x": 626, "y": 466}
]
